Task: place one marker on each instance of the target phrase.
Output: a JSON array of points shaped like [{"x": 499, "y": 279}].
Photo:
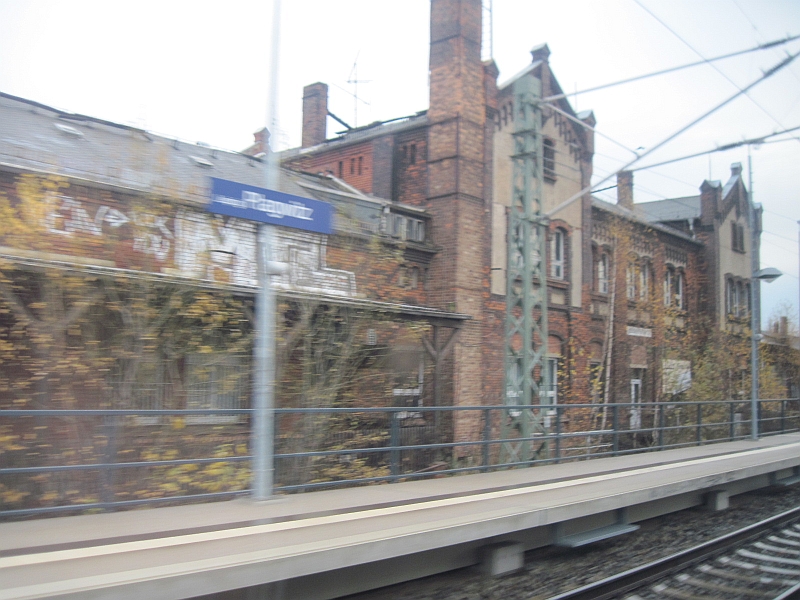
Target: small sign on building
[{"x": 269, "y": 206}]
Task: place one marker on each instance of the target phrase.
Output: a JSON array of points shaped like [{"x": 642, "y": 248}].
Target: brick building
[
  {"x": 626, "y": 282},
  {"x": 419, "y": 242}
]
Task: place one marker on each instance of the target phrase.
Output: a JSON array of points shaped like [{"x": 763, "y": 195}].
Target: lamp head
[{"x": 767, "y": 275}]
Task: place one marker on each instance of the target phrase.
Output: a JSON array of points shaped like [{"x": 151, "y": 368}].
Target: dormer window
[{"x": 405, "y": 227}]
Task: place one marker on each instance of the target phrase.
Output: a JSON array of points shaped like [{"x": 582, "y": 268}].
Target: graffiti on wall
[{"x": 196, "y": 244}]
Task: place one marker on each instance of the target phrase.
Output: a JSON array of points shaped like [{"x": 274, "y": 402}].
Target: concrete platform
[{"x": 326, "y": 544}]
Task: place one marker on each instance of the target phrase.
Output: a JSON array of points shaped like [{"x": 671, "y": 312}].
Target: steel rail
[{"x": 633, "y": 579}]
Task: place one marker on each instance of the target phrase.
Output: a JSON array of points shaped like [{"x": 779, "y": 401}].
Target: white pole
[{"x": 263, "y": 426}]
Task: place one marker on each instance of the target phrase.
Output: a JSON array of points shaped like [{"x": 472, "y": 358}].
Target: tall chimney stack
[
  {"x": 625, "y": 189},
  {"x": 315, "y": 114}
]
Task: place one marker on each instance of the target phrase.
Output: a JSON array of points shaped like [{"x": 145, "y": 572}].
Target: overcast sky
[{"x": 198, "y": 70}]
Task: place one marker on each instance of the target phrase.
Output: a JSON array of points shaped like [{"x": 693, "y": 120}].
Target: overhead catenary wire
[
  {"x": 769, "y": 73},
  {"x": 723, "y": 148},
  {"x": 596, "y": 88},
  {"x": 713, "y": 66}
]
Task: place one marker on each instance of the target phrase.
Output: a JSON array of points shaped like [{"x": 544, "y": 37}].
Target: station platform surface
[{"x": 187, "y": 551}]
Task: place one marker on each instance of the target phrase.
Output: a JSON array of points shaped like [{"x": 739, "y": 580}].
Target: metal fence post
[
  {"x": 661, "y": 422},
  {"x": 783, "y": 416},
  {"x": 615, "y": 422},
  {"x": 487, "y": 435},
  {"x": 732, "y": 423},
  {"x": 394, "y": 440},
  {"x": 699, "y": 423},
  {"x": 108, "y": 473}
]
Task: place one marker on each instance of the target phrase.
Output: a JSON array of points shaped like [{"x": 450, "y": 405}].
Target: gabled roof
[
  {"x": 633, "y": 216},
  {"x": 673, "y": 209}
]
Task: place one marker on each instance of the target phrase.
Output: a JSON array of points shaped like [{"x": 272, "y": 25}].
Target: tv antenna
[{"x": 354, "y": 81}]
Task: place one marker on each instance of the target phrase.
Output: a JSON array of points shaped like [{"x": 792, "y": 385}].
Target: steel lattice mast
[{"x": 526, "y": 279}]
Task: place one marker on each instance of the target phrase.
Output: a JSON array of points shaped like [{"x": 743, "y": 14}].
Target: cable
[
  {"x": 764, "y": 46},
  {"x": 764, "y": 76},
  {"x": 753, "y": 141},
  {"x": 590, "y": 128},
  {"x": 778, "y": 235},
  {"x": 758, "y": 33},
  {"x": 693, "y": 49},
  {"x": 772, "y": 212}
]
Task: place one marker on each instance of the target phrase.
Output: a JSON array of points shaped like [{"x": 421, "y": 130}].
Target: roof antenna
[{"x": 354, "y": 80}]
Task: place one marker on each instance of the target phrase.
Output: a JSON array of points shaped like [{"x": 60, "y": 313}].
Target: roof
[
  {"x": 673, "y": 209},
  {"x": 39, "y": 138},
  {"x": 633, "y": 216},
  {"x": 361, "y": 134}
]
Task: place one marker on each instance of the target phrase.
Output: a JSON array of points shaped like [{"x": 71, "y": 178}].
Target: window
[
  {"x": 341, "y": 169},
  {"x": 352, "y": 166},
  {"x": 549, "y": 163},
  {"x": 360, "y": 164},
  {"x": 737, "y": 237},
  {"x": 637, "y": 393},
  {"x": 746, "y": 301},
  {"x": 737, "y": 295},
  {"x": 731, "y": 297},
  {"x": 630, "y": 276},
  {"x": 669, "y": 276},
  {"x": 552, "y": 373},
  {"x": 644, "y": 281},
  {"x": 557, "y": 254},
  {"x": 680, "y": 297},
  {"x": 413, "y": 154},
  {"x": 602, "y": 274},
  {"x": 407, "y": 228}
]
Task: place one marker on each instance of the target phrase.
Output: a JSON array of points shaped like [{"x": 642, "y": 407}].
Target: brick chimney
[
  {"x": 315, "y": 114},
  {"x": 457, "y": 196},
  {"x": 625, "y": 189},
  {"x": 710, "y": 197}
]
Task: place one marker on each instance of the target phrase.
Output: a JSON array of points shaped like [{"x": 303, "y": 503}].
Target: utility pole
[
  {"x": 263, "y": 423},
  {"x": 526, "y": 372}
]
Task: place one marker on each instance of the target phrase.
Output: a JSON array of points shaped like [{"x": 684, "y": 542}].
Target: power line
[
  {"x": 764, "y": 46},
  {"x": 764, "y": 76},
  {"x": 777, "y": 214},
  {"x": 758, "y": 33},
  {"x": 753, "y": 141},
  {"x": 713, "y": 66}
]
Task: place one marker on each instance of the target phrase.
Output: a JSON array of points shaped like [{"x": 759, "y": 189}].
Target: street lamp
[
  {"x": 757, "y": 275},
  {"x": 767, "y": 275}
]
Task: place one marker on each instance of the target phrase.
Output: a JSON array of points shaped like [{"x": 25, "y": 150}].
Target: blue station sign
[{"x": 269, "y": 206}]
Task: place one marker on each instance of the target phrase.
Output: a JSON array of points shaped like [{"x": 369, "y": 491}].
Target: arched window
[
  {"x": 680, "y": 290},
  {"x": 557, "y": 261},
  {"x": 669, "y": 277},
  {"x": 602, "y": 273},
  {"x": 630, "y": 278},
  {"x": 644, "y": 281}
]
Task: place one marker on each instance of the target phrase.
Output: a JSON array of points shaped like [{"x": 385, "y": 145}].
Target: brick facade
[{"x": 453, "y": 161}]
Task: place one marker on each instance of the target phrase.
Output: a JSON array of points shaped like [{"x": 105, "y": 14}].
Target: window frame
[
  {"x": 602, "y": 273},
  {"x": 557, "y": 254}
]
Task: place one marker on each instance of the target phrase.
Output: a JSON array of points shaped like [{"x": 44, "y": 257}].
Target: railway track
[{"x": 758, "y": 561}]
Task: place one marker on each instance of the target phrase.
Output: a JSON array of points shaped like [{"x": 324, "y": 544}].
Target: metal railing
[{"x": 54, "y": 461}]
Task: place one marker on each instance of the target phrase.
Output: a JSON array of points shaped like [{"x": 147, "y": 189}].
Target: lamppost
[{"x": 757, "y": 275}]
